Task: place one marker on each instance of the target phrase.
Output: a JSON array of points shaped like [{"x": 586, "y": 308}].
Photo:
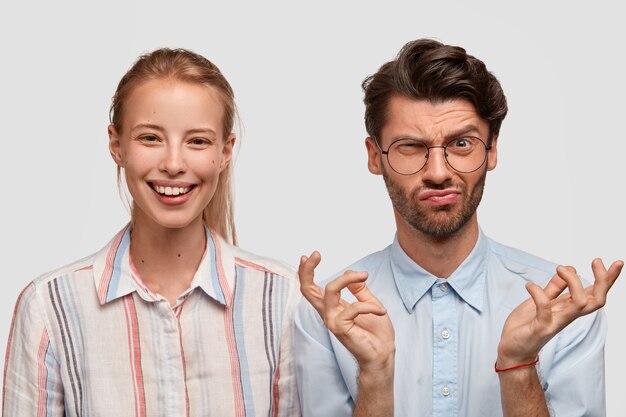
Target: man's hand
[
  {"x": 363, "y": 327},
  {"x": 537, "y": 320}
]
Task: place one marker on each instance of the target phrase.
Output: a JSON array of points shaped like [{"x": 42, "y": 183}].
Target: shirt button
[
  {"x": 445, "y": 333},
  {"x": 445, "y": 391},
  {"x": 443, "y": 287}
]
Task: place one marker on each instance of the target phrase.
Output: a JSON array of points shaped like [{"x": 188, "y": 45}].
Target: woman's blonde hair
[{"x": 187, "y": 66}]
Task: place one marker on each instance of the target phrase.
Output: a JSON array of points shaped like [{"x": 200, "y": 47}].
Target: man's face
[{"x": 436, "y": 201}]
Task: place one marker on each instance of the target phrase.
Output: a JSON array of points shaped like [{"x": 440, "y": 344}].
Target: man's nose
[{"x": 437, "y": 169}]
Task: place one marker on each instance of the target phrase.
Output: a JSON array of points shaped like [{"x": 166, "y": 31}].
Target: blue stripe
[
  {"x": 117, "y": 266},
  {"x": 50, "y": 363},
  {"x": 240, "y": 342},
  {"x": 74, "y": 322},
  {"x": 219, "y": 294}
]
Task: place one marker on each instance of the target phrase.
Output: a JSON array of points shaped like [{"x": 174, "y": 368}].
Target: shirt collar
[
  {"x": 115, "y": 277},
  {"x": 468, "y": 281}
]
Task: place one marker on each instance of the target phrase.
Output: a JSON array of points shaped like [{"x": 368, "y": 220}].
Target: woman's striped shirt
[{"x": 91, "y": 339}]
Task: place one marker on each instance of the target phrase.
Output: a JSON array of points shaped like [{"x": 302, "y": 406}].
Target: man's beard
[{"x": 441, "y": 221}]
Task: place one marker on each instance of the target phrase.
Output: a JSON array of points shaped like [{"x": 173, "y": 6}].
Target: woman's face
[{"x": 172, "y": 149}]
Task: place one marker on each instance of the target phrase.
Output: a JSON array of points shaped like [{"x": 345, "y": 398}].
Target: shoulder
[
  {"x": 252, "y": 261},
  {"x": 370, "y": 263},
  {"x": 75, "y": 270},
  {"x": 530, "y": 267},
  {"x": 33, "y": 303}
]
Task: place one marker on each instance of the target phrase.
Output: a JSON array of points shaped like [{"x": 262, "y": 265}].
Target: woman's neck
[{"x": 167, "y": 259}]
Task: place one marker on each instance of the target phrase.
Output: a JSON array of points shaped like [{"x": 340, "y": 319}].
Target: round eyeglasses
[{"x": 408, "y": 156}]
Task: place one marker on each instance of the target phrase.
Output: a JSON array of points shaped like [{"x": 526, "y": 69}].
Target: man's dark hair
[{"x": 426, "y": 69}]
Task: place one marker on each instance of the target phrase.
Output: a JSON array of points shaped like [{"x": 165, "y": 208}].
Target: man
[{"x": 446, "y": 301}]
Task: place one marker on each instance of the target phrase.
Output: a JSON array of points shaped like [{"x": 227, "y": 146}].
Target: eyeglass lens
[{"x": 465, "y": 154}]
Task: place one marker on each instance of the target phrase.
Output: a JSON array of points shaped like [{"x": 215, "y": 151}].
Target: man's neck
[{"x": 440, "y": 256}]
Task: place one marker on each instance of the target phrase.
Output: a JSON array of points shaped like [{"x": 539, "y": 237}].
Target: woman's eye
[
  {"x": 199, "y": 142},
  {"x": 149, "y": 138}
]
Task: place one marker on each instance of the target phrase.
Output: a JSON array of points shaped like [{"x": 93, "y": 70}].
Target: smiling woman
[{"x": 170, "y": 318}]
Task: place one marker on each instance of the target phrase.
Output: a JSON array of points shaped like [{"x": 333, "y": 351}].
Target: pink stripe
[
  {"x": 85, "y": 268},
  {"x": 182, "y": 353},
  {"x": 276, "y": 397},
  {"x": 241, "y": 262},
  {"x": 108, "y": 267},
  {"x": 235, "y": 371},
  {"x": 8, "y": 351},
  {"x": 134, "y": 349},
  {"x": 42, "y": 375}
]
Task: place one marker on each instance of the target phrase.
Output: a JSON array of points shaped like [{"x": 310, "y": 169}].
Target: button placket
[{"x": 445, "y": 362}]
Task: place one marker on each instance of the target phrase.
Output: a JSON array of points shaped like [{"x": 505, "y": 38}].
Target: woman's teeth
[{"x": 171, "y": 190}]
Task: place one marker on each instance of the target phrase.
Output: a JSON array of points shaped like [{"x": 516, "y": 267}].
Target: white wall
[{"x": 301, "y": 176}]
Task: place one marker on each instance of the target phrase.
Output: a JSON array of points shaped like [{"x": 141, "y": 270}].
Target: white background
[{"x": 301, "y": 176}]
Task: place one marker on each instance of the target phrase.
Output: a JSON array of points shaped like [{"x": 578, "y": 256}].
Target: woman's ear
[
  {"x": 115, "y": 147},
  {"x": 227, "y": 151}
]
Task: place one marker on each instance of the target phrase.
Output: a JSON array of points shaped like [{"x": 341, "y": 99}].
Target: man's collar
[
  {"x": 115, "y": 277},
  {"x": 468, "y": 280}
]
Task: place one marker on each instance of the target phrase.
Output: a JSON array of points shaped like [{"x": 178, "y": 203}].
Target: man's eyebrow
[{"x": 463, "y": 130}]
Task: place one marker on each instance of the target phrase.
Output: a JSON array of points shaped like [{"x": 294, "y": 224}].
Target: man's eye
[
  {"x": 410, "y": 146},
  {"x": 460, "y": 143}
]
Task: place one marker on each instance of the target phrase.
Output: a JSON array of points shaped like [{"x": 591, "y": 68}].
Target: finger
[
  {"x": 306, "y": 270},
  {"x": 362, "y": 293},
  {"x": 311, "y": 291},
  {"x": 346, "y": 318},
  {"x": 604, "y": 279},
  {"x": 332, "y": 292},
  {"x": 543, "y": 304},
  {"x": 555, "y": 287},
  {"x": 574, "y": 284}
]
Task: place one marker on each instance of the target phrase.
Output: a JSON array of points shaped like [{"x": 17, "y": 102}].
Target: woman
[{"x": 169, "y": 319}]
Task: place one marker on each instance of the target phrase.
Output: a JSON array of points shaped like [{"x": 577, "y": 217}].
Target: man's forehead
[{"x": 426, "y": 117}]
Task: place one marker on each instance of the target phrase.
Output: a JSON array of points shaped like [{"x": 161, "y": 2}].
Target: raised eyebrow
[{"x": 468, "y": 130}]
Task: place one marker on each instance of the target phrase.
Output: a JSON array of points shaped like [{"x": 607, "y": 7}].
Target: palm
[
  {"x": 363, "y": 326},
  {"x": 534, "y": 322}
]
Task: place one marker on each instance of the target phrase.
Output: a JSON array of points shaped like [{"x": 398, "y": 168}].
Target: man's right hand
[{"x": 363, "y": 327}]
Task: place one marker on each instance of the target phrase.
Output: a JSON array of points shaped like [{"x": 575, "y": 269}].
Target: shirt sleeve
[
  {"x": 32, "y": 382},
  {"x": 321, "y": 386},
  {"x": 285, "y": 398},
  {"x": 574, "y": 376}
]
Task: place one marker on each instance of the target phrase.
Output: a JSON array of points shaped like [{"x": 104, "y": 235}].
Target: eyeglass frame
[{"x": 428, "y": 148}]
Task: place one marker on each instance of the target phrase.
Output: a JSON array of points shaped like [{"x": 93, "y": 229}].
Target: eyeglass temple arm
[{"x": 378, "y": 146}]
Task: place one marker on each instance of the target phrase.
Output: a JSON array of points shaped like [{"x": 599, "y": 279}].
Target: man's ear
[
  {"x": 115, "y": 147},
  {"x": 374, "y": 160},
  {"x": 492, "y": 153},
  {"x": 227, "y": 151}
]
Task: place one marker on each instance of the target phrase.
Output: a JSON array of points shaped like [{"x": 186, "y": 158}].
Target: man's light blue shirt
[{"x": 447, "y": 333}]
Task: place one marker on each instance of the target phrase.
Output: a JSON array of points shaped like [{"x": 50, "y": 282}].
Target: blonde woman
[{"x": 170, "y": 318}]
